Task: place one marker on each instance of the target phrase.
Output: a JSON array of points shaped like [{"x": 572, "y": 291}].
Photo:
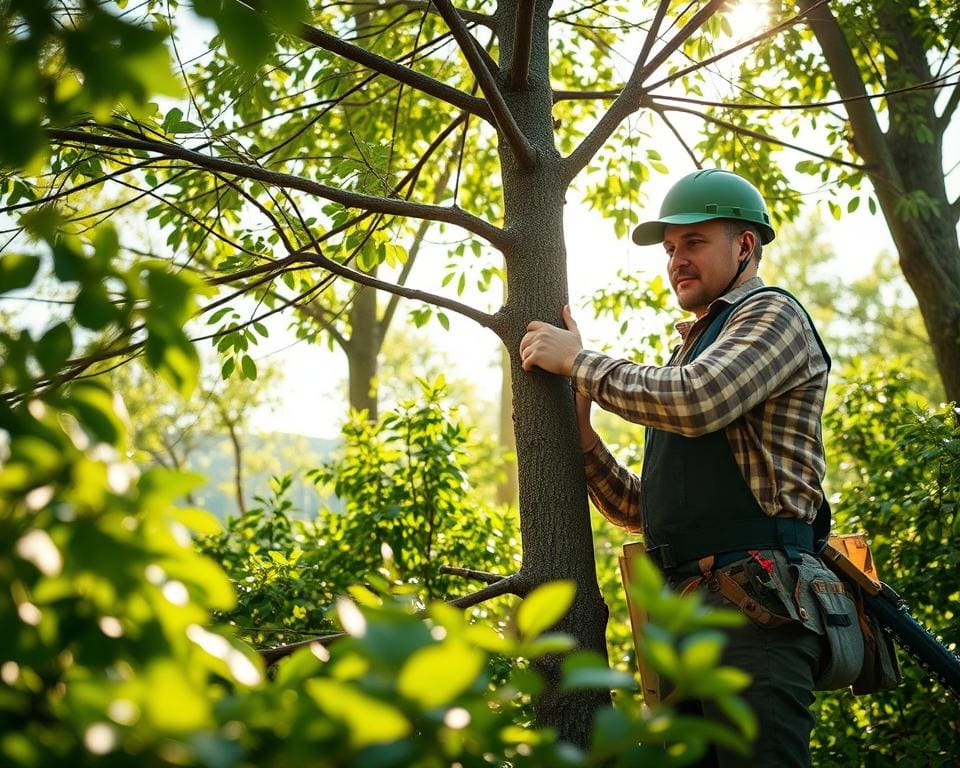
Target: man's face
[{"x": 702, "y": 258}]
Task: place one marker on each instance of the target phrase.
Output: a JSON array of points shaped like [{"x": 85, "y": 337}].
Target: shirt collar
[{"x": 731, "y": 297}]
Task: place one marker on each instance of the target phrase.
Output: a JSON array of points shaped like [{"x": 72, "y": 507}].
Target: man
[{"x": 733, "y": 457}]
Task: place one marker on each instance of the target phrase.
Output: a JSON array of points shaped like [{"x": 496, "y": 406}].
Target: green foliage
[
  {"x": 896, "y": 478},
  {"x": 403, "y": 487},
  {"x": 105, "y": 602},
  {"x": 56, "y": 65},
  {"x": 109, "y": 658},
  {"x": 404, "y": 484},
  {"x": 275, "y": 560},
  {"x": 641, "y": 305}
]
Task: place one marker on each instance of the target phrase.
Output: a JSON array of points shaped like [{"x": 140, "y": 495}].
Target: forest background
[{"x": 134, "y": 635}]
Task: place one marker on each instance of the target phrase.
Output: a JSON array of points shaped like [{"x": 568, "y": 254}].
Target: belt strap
[{"x": 789, "y": 534}]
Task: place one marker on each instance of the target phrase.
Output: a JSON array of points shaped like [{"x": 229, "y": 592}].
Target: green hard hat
[{"x": 705, "y": 195}]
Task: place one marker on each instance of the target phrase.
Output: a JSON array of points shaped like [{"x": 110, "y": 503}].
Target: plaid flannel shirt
[{"x": 763, "y": 381}]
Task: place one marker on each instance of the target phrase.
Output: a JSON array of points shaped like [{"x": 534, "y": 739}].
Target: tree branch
[
  {"x": 508, "y": 585},
  {"x": 412, "y": 254},
  {"x": 950, "y": 107},
  {"x": 643, "y": 70},
  {"x": 469, "y": 573},
  {"x": 760, "y": 136},
  {"x": 271, "y": 656},
  {"x": 502, "y": 117},
  {"x": 384, "y": 66},
  {"x": 679, "y": 137},
  {"x": 868, "y": 137},
  {"x": 652, "y": 33},
  {"x": 455, "y": 216},
  {"x": 771, "y": 107},
  {"x": 316, "y": 313},
  {"x": 955, "y": 209},
  {"x": 398, "y": 72},
  {"x": 473, "y": 17},
  {"x": 633, "y": 96},
  {"x": 522, "y": 43}
]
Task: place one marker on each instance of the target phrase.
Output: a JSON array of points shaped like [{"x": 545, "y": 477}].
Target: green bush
[
  {"x": 403, "y": 483},
  {"x": 897, "y": 478}
]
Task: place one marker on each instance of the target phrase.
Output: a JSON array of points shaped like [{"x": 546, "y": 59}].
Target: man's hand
[{"x": 550, "y": 348}]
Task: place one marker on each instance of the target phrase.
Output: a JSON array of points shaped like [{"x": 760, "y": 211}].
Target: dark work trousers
[{"x": 783, "y": 664}]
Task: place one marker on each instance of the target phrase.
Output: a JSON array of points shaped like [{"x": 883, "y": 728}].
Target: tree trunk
[
  {"x": 554, "y": 516},
  {"x": 507, "y": 488},
  {"x": 362, "y": 351},
  {"x": 237, "y": 463}
]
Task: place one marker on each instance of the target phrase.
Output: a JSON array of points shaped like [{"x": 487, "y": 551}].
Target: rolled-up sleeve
[
  {"x": 613, "y": 488},
  {"x": 760, "y": 348}
]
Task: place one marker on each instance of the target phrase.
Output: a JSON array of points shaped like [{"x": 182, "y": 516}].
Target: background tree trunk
[{"x": 905, "y": 165}]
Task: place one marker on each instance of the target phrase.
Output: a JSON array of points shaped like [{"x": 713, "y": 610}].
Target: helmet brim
[{"x": 651, "y": 232}]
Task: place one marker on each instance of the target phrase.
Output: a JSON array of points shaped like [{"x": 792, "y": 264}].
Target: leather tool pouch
[
  {"x": 881, "y": 670},
  {"x": 841, "y": 624}
]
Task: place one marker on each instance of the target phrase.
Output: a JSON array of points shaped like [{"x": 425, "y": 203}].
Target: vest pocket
[{"x": 844, "y": 635}]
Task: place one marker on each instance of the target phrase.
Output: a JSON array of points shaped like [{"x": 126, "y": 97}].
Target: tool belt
[{"x": 808, "y": 595}]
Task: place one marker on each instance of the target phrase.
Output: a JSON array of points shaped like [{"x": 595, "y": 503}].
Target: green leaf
[
  {"x": 369, "y": 720},
  {"x": 68, "y": 264},
  {"x": 700, "y": 652},
  {"x": 93, "y": 308},
  {"x": 434, "y": 676},
  {"x": 248, "y": 367},
  {"x": 739, "y": 713},
  {"x": 54, "y": 348},
  {"x": 17, "y": 271},
  {"x": 586, "y": 670},
  {"x": 170, "y": 353},
  {"x": 544, "y": 607},
  {"x": 92, "y": 404}
]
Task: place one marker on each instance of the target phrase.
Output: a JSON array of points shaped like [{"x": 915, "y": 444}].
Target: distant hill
[{"x": 265, "y": 455}]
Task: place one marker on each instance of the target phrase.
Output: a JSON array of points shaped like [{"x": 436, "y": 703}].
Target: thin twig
[
  {"x": 679, "y": 137},
  {"x": 482, "y": 318},
  {"x": 739, "y": 129},
  {"x": 632, "y": 97},
  {"x": 772, "y": 32},
  {"x": 414, "y": 79}
]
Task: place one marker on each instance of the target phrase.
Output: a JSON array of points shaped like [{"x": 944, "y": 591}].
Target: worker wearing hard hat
[{"x": 733, "y": 455}]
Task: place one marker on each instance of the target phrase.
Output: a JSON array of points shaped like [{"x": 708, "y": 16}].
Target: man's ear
[{"x": 748, "y": 243}]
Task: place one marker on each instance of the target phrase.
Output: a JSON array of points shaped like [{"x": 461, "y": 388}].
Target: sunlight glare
[{"x": 747, "y": 18}]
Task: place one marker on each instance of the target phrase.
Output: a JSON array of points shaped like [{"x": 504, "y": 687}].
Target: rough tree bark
[{"x": 554, "y": 516}]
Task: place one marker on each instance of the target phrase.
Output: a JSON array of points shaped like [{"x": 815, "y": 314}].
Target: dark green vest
[{"x": 694, "y": 497}]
